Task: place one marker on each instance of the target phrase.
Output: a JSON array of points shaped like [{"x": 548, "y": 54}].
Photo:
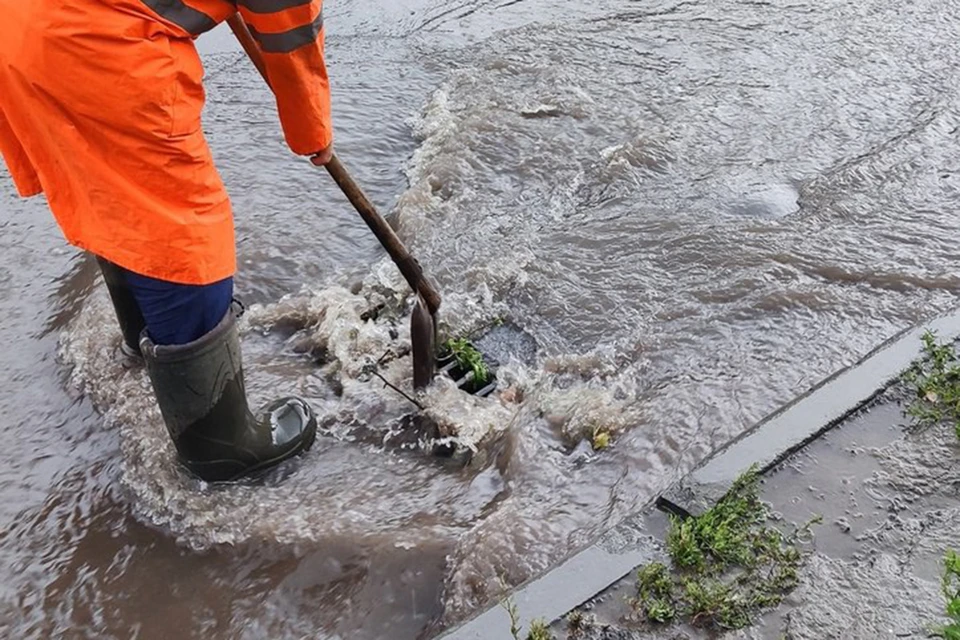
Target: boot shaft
[
  {"x": 192, "y": 380},
  {"x": 125, "y": 306},
  {"x": 201, "y": 393}
]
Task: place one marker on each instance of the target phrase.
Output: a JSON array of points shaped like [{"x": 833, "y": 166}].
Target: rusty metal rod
[
  {"x": 408, "y": 265},
  {"x": 250, "y": 46}
]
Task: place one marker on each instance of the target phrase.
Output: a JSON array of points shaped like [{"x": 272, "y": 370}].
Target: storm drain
[{"x": 467, "y": 379}]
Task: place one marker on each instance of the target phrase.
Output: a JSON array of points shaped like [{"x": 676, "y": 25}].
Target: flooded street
[{"x": 697, "y": 211}]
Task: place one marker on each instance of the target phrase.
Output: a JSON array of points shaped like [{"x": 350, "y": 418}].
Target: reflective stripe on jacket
[{"x": 290, "y": 34}]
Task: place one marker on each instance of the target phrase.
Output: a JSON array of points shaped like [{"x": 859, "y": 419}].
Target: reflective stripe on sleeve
[{"x": 291, "y": 40}]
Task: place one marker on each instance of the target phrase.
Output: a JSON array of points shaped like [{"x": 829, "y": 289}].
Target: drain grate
[
  {"x": 466, "y": 379},
  {"x": 499, "y": 344}
]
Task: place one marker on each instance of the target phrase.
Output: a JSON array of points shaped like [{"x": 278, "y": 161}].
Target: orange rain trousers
[{"x": 100, "y": 104}]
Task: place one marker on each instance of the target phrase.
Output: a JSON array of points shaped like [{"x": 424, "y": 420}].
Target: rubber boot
[
  {"x": 200, "y": 390},
  {"x": 125, "y": 305}
]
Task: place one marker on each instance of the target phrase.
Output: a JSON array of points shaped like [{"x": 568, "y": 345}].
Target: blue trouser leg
[{"x": 179, "y": 313}]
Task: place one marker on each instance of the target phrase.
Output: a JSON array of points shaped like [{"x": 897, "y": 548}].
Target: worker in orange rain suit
[{"x": 100, "y": 105}]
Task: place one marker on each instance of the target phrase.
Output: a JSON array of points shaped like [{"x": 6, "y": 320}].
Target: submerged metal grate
[{"x": 465, "y": 379}]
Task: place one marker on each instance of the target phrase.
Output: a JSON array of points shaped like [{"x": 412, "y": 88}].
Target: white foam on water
[
  {"x": 317, "y": 344},
  {"x": 309, "y": 505}
]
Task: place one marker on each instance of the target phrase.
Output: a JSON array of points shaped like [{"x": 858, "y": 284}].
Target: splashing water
[{"x": 695, "y": 211}]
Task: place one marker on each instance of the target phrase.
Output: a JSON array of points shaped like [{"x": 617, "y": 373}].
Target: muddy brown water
[{"x": 696, "y": 210}]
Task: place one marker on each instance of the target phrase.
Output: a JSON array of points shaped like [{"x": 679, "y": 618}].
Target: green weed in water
[
  {"x": 514, "y": 614},
  {"x": 725, "y": 535},
  {"x": 579, "y": 622},
  {"x": 728, "y": 564},
  {"x": 600, "y": 438},
  {"x": 951, "y": 589},
  {"x": 714, "y": 603},
  {"x": 468, "y": 358},
  {"x": 937, "y": 381},
  {"x": 655, "y": 591}
]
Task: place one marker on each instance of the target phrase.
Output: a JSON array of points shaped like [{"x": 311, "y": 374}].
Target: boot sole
[{"x": 302, "y": 447}]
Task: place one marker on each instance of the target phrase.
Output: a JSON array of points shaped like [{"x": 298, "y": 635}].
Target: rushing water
[{"x": 696, "y": 210}]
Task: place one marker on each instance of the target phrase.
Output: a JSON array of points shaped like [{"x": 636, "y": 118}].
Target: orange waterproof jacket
[{"x": 100, "y": 104}]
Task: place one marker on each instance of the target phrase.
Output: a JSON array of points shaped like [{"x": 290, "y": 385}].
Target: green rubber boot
[
  {"x": 125, "y": 305},
  {"x": 200, "y": 390}
]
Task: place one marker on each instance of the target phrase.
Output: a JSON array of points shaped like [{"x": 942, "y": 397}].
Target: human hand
[{"x": 321, "y": 158}]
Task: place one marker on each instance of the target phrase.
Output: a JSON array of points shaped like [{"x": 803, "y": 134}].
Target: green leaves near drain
[
  {"x": 728, "y": 564},
  {"x": 468, "y": 358}
]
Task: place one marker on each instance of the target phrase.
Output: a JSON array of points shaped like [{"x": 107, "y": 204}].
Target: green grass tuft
[
  {"x": 937, "y": 381},
  {"x": 655, "y": 591},
  {"x": 539, "y": 630},
  {"x": 728, "y": 564},
  {"x": 579, "y": 622},
  {"x": 951, "y": 589},
  {"x": 725, "y": 534}
]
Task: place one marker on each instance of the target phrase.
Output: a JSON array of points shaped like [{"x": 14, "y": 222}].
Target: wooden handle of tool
[
  {"x": 408, "y": 265},
  {"x": 250, "y": 46}
]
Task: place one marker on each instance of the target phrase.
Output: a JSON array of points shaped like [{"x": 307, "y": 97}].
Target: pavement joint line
[{"x": 595, "y": 568}]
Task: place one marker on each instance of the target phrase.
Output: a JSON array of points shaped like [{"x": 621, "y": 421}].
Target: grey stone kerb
[
  {"x": 569, "y": 584},
  {"x": 804, "y": 419}
]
